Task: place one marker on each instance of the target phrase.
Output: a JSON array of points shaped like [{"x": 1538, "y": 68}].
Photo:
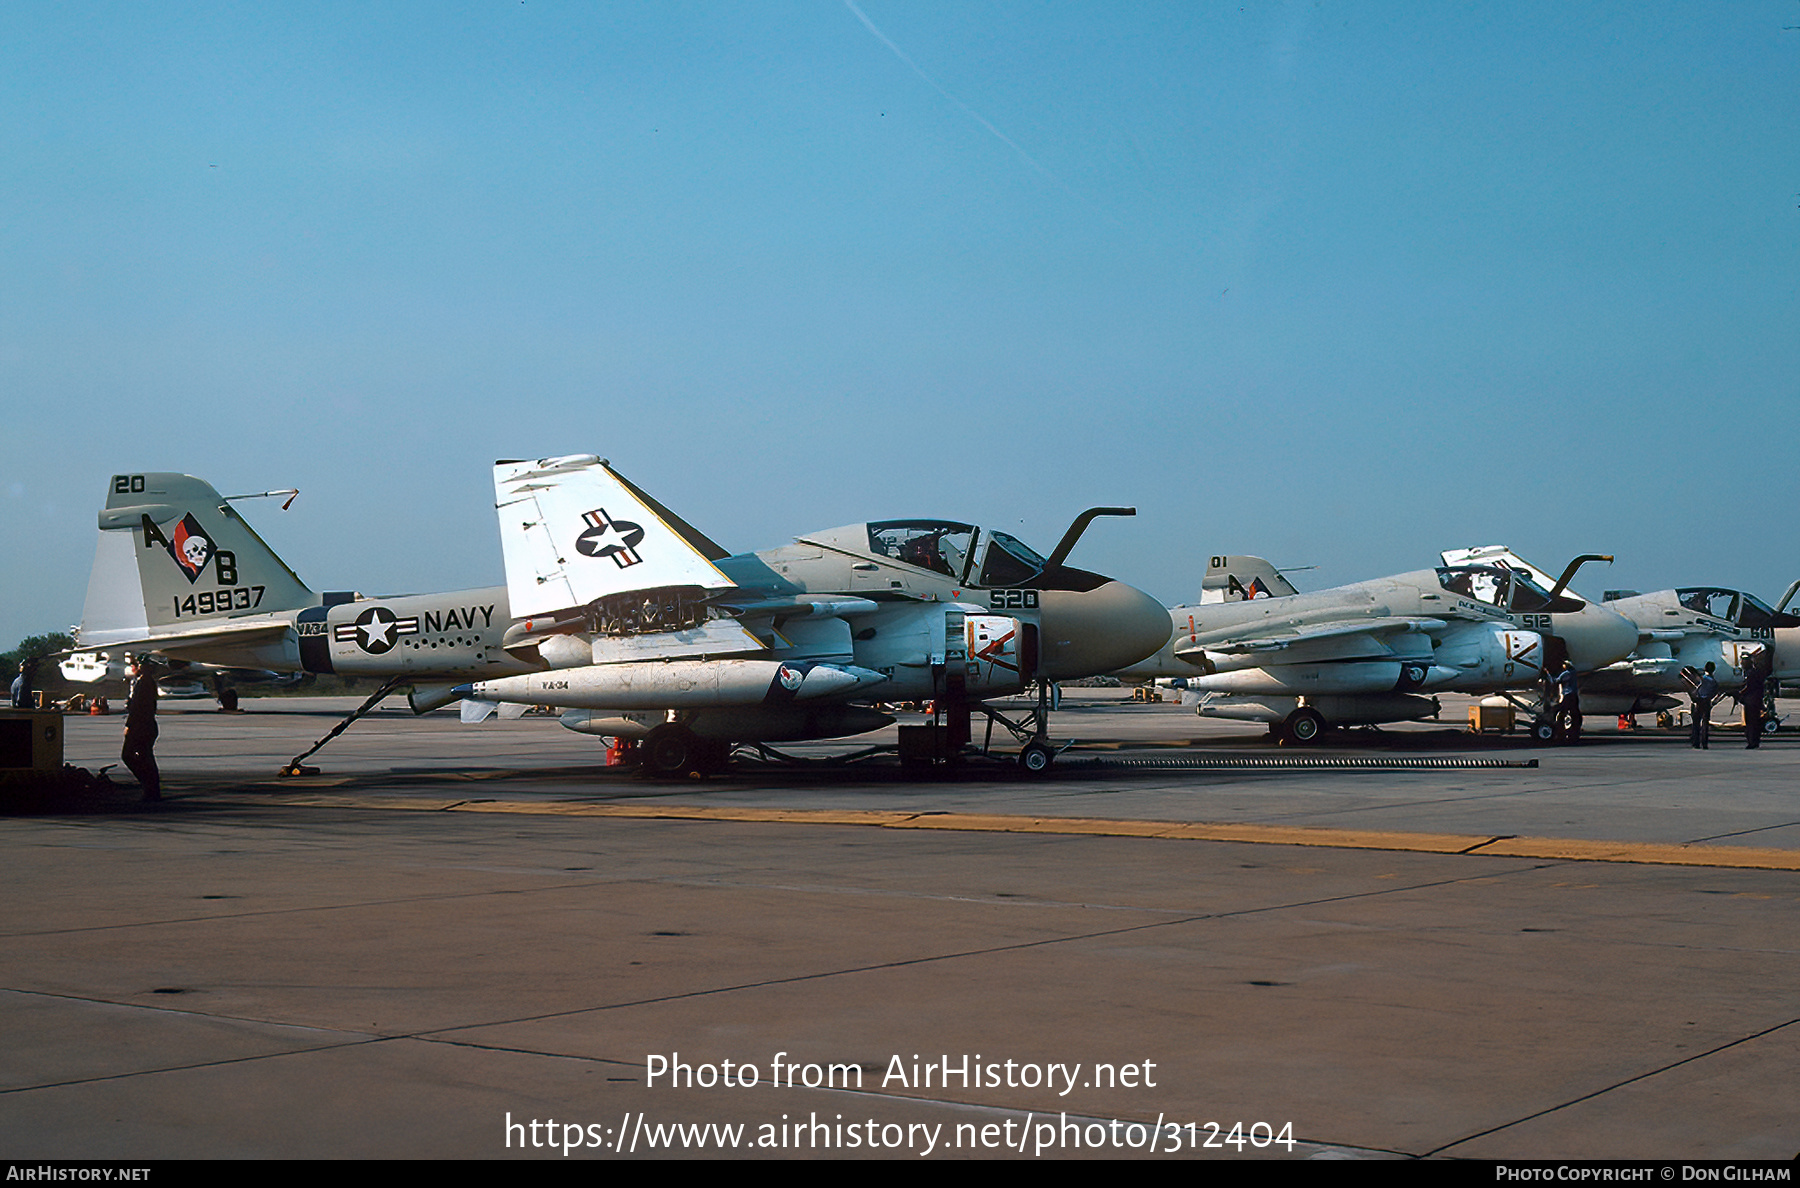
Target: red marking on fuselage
[{"x": 987, "y": 653}]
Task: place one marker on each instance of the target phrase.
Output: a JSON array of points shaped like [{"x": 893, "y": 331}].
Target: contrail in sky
[{"x": 973, "y": 114}]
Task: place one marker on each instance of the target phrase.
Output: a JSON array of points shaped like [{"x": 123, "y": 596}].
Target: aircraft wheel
[
  {"x": 1302, "y": 728},
  {"x": 1664, "y": 721},
  {"x": 228, "y": 700},
  {"x": 1035, "y": 759},
  {"x": 1544, "y": 731},
  {"x": 669, "y": 750}
]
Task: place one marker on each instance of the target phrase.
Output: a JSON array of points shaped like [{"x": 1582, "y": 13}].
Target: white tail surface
[
  {"x": 572, "y": 531},
  {"x": 175, "y": 558}
]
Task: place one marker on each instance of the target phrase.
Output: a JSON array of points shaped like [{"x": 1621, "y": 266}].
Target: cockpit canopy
[
  {"x": 972, "y": 556},
  {"x": 1506, "y": 589},
  {"x": 938, "y": 545},
  {"x": 1734, "y": 606},
  {"x": 951, "y": 549}
]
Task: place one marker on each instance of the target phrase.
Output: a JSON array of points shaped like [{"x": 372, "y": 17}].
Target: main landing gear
[
  {"x": 672, "y": 750},
  {"x": 1301, "y": 728}
]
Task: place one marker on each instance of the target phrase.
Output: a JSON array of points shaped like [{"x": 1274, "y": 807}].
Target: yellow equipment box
[
  {"x": 31, "y": 742},
  {"x": 1483, "y": 718}
]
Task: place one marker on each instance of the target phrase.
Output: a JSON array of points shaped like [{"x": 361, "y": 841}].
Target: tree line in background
[
  {"x": 57, "y": 641},
  {"x": 32, "y": 646}
]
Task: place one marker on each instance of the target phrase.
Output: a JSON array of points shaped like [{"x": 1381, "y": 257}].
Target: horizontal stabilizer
[{"x": 131, "y": 639}]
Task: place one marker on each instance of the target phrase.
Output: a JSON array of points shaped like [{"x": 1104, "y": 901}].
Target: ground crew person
[
  {"x": 139, "y": 752},
  {"x": 1756, "y": 675},
  {"x": 1568, "y": 702},
  {"x": 1705, "y": 689},
  {"x": 23, "y": 695}
]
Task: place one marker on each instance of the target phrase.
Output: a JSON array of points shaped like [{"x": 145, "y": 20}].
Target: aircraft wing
[
  {"x": 1358, "y": 639},
  {"x": 573, "y": 531}
]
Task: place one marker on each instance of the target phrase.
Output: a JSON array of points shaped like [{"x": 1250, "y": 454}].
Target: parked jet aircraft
[
  {"x": 1683, "y": 628},
  {"x": 107, "y": 674},
  {"x": 1373, "y": 651},
  {"x": 652, "y": 631},
  {"x": 177, "y": 571}
]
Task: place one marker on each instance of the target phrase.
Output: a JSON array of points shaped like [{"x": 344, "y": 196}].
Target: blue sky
[{"x": 1338, "y": 284}]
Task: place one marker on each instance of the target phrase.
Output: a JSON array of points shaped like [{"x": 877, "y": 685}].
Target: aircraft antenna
[{"x": 292, "y": 494}]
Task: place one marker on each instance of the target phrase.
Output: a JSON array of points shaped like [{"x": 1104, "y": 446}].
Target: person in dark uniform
[
  {"x": 1568, "y": 703},
  {"x": 1756, "y": 685},
  {"x": 23, "y": 691},
  {"x": 1705, "y": 689},
  {"x": 139, "y": 753}
]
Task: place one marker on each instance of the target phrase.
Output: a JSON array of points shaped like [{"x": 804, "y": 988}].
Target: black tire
[
  {"x": 1544, "y": 731},
  {"x": 1771, "y": 725},
  {"x": 668, "y": 750},
  {"x": 1036, "y": 758},
  {"x": 1303, "y": 727}
]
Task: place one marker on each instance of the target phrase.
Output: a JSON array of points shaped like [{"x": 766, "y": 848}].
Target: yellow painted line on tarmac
[{"x": 1560, "y": 849}]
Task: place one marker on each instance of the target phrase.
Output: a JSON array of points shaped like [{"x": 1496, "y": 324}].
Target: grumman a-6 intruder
[
  {"x": 653, "y": 632},
  {"x": 91, "y": 675},
  {"x": 916, "y": 608},
  {"x": 179, "y": 573},
  {"x": 1689, "y": 627},
  {"x": 1373, "y": 651}
]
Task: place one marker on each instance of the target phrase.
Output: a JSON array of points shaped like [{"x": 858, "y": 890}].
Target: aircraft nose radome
[
  {"x": 1098, "y": 631},
  {"x": 1612, "y": 637}
]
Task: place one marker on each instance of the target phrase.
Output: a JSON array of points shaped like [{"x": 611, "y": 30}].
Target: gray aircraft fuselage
[{"x": 1692, "y": 627}]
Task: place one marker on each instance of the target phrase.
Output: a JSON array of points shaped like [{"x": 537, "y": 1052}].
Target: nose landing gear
[{"x": 1033, "y": 730}]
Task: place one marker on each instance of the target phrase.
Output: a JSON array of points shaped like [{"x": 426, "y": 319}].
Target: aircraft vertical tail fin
[
  {"x": 1240, "y": 579},
  {"x": 174, "y": 555}
]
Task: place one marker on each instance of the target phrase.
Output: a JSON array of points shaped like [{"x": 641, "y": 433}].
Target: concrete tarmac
[{"x": 453, "y": 933}]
